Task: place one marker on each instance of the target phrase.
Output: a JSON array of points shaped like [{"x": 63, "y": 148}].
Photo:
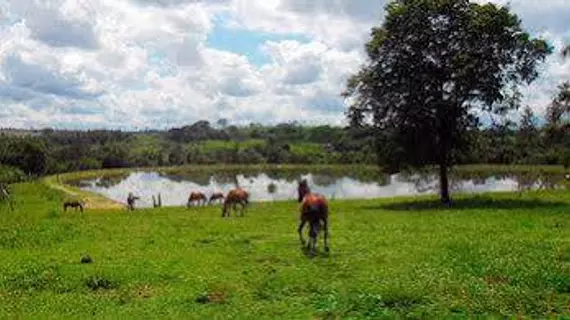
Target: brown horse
[
  {"x": 216, "y": 196},
  {"x": 314, "y": 209},
  {"x": 234, "y": 197},
  {"x": 198, "y": 197},
  {"x": 74, "y": 204}
]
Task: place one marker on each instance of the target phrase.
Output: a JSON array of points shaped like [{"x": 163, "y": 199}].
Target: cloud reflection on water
[{"x": 175, "y": 190}]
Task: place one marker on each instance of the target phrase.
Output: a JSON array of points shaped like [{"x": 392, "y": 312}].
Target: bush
[{"x": 9, "y": 174}]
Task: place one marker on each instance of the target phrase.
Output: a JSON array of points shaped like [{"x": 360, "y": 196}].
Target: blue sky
[
  {"x": 246, "y": 42},
  {"x": 160, "y": 63}
]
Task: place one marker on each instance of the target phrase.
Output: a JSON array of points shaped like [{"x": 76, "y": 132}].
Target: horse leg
[
  {"x": 300, "y": 231},
  {"x": 312, "y": 241},
  {"x": 243, "y": 205},
  {"x": 326, "y": 235},
  {"x": 313, "y": 234}
]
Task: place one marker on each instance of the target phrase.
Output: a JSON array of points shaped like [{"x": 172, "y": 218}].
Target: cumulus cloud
[
  {"x": 146, "y": 63},
  {"x": 362, "y": 10},
  {"x": 23, "y": 76},
  {"x": 57, "y": 23}
]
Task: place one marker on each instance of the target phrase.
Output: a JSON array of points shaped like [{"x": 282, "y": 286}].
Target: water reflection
[{"x": 282, "y": 186}]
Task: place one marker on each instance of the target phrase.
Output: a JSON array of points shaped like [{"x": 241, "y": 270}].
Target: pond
[{"x": 275, "y": 185}]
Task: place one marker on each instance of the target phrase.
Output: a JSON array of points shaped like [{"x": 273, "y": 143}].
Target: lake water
[{"x": 174, "y": 189}]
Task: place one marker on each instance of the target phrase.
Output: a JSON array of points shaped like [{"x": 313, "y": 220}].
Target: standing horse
[
  {"x": 216, "y": 196},
  {"x": 131, "y": 201},
  {"x": 314, "y": 210},
  {"x": 198, "y": 197},
  {"x": 74, "y": 204},
  {"x": 235, "y": 197}
]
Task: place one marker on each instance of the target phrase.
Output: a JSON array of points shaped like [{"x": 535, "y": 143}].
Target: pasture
[{"x": 491, "y": 255}]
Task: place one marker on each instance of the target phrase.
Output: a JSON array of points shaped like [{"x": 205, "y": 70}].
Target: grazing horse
[
  {"x": 74, "y": 204},
  {"x": 216, "y": 196},
  {"x": 234, "y": 197},
  {"x": 196, "y": 196},
  {"x": 314, "y": 210}
]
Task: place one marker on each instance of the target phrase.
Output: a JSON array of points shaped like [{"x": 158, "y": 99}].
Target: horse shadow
[{"x": 318, "y": 252}]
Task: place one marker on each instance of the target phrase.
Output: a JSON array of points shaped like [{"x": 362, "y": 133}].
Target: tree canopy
[{"x": 434, "y": 67}]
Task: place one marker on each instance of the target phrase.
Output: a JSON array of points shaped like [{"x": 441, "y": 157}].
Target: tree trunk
[{"x": 444, "y": 184}]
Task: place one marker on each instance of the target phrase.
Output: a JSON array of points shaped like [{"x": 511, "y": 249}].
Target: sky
[{"x": 158, "y": 64}]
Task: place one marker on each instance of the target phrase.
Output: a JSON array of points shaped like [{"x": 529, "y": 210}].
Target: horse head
[{"x": 303, "y": 189}]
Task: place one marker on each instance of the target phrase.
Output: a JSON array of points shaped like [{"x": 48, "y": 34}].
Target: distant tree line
[
  {"x": 57, "y": 151},
  {"x": 54, "y": 151}
]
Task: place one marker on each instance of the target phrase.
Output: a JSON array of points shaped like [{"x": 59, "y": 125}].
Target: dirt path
[{"x": 92, "y": 200}]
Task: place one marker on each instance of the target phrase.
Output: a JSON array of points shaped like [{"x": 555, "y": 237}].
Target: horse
[
  {"x": 235, "y": 197},
  {"x": 314, "y": 210},
  {"x": 196, "y": 196},
  {"x": 216, "y": 196},
  {"x": 131, "y": 201},
  {"x": 74, "y": 204}
]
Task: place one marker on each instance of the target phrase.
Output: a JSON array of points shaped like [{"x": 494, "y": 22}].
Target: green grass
[
  {"x": 297, "y": 148},
  {"x": 309, "y": 150},
  {"x": 144, "y": 144},
  {"x": 208, "y": 146},
  {"x": 500, "y": 255}
]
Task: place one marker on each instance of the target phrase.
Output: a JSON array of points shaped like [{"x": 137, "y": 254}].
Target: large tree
[{"x": 434, "y": 66}]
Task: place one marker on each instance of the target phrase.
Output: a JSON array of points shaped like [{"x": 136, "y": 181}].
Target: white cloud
[
  {"x": 342, "y": 24},
  {"x": 57, "y": 23},
  {"x": 146, "y": 63}
]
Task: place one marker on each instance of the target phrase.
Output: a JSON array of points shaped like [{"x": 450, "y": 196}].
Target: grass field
[{"x": 500, "y": 255}]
